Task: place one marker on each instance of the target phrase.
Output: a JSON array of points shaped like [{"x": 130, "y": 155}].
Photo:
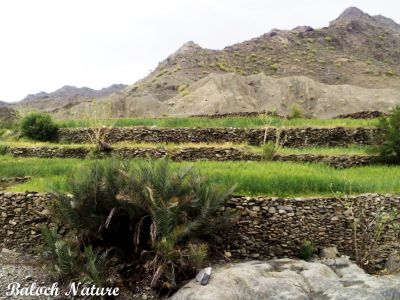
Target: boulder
[
  {"x": 329, "y": 252},
  {"x": 329, "y": 279},
  {"x": 393, "y": 263}
]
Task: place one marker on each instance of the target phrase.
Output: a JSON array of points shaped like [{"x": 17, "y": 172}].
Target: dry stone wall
[
  {"x": 21, "y": 215},
  {"x": 263, "y": 227},
  {"x": 275, "y": 227},
  {"x": 289, "y": 137},
  {"x": 192, "y": 154}
]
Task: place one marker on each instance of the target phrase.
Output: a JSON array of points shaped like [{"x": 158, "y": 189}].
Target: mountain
[
  {"x": 351, "y": 65},
  {"x": 66, "y": 97},
  {"x": 70, "y": 92},
  {"x": 3, "y": 103}
]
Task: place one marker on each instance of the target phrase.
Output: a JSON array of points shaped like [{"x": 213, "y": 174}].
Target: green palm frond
[{"x": 66, "y": 258}]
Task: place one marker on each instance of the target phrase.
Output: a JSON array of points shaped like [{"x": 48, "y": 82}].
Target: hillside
[
  {"x": 333, "y": 68},
  {"x": 225, "y": 93},
  {"x": 65, "y": 97}
]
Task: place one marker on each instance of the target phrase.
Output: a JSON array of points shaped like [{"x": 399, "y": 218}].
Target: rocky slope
[
  {"x": 351, "y": 65},
  {"x": 330, "y": 279},
  {"x": 226, "y": 93}
]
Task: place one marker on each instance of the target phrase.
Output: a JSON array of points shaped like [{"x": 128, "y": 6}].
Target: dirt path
[{"x": 25, "y": 270}]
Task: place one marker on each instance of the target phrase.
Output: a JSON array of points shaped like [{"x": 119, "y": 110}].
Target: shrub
[
  {"x": 296, "y": 112},
  {"x": 307, "y": 249},
  {"x": 389, "y": 138},
  {"x": 70, "y": 262},
  {"x": 39, "y": 126},
  {"x": 168, "y": 212},
  {"x": 268, "y": 150},
  {"x": 4, "y": 149}
]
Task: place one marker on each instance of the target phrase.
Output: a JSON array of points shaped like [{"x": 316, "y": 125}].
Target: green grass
[
  {"x": 320, "y": 150},
  {"x": 252, "y": 178},
  {"x": 46, "y": 173},
  {"x": 237, "y": 122}
]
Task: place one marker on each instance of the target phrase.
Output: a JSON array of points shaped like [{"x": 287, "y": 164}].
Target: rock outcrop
[{"x": 286, "y": 279}]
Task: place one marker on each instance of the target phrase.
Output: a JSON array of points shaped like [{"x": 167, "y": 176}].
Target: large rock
[
  {"x": 393, "y": 263},
  {"x": 330, "y": 279}
]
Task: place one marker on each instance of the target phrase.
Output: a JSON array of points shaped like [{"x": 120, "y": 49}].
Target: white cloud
[{"x": 46, "y": 44}]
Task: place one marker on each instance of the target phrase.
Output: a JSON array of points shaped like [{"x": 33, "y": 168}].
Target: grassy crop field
[
  {"x": 236, "y": 122},
  {"x": 252, "y": 178}
]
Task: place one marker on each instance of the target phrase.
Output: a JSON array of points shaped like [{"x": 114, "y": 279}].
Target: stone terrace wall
[
  {"x": 276, "y": 227},
  {"x": 264, "y": 227},
  {"x": 21, "y": 215},
  {"x": 192, "y": 154},
  {"x": 290, "y": 137}
]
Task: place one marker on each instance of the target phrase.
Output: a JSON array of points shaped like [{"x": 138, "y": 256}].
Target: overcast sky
[{"x": 46, "y": 44}]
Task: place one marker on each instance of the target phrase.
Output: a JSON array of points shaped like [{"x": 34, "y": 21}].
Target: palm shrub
[
  {"x": 182, "y": 206},
  {"x": 389, "y": 138},
  {"x": 39, "y": 126},
  {"x": 69, "y": 262},
  {"x": 168, "y": 212}
]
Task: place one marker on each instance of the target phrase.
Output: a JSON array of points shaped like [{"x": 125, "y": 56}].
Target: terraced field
[
  {"x": 290, "y": 171},
  {"x": 230, "y": 121}
]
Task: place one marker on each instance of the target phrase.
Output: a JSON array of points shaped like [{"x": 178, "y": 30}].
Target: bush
[
  {"x": 4, "y": 149},
  {"x": 268, "y": 150},
  {"x": 70, "y": 262},
  {"x": 389, "y": 138},
  {"x": 168, "y": 213},
  {"x": 306, "y": 250},
  {"x": 296, "y": 112},
  {"x": 39, "y": 126}
]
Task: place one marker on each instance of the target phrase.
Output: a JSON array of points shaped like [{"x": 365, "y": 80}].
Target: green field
[
  {"x": 252, "y": 178},
  {"x": 236, "y": 122}
]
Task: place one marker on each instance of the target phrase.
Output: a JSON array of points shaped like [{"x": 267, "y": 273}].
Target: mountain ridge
[
  {"x": 356, "y": 49},
  {"x": 73, "y": 91}
]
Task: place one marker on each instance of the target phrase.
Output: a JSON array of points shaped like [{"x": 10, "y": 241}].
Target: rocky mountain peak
[
  {"x": 352, "y": 14},
  {"x": 185, "y": 49},
  {"x": 188, "y": 47}
]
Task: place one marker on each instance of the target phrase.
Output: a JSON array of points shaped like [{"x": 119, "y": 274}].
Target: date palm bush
[
  {"x": 156, "y": 214},
  {"x": 181, "y": 207}
]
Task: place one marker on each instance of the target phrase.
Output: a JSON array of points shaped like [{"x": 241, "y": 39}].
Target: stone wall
[
  {"x": 21, "y": 215},
  {"x": 289, "y": 137},
  {"x": 364, "y": 115},
  {"x": 275, "y": 227},
  {"x": 263, "y": 227},
  {"x": 192, "y": 154}
]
